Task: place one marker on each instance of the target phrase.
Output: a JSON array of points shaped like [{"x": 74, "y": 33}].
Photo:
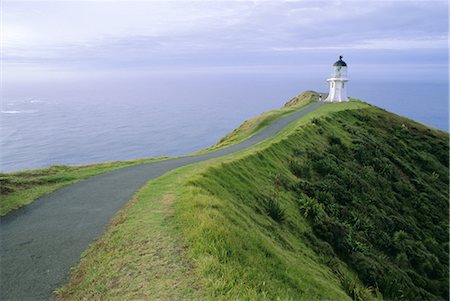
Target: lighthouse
[{"x": 338, "y": 82}]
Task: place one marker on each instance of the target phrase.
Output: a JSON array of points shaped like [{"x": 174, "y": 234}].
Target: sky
[{"x": 382, "y": 39}]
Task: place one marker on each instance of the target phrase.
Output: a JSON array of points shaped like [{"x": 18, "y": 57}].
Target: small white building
[{"x": 338, "y": 82}]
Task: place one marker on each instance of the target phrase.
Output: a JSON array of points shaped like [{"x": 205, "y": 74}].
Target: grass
[
  {"x": 140, "y": 256},
  {"x": 262, "y": 223},
  {"x": 334, "y": 234},
  {"x": 21, "y": 188},
  {"x": 251, "y": 126},
  {"x": 201, "y": 232}
]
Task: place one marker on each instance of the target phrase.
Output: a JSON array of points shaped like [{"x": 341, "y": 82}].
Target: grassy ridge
[
  {"x": 364, "y": 192},
  {"x": 126, "y": 237},
  {"x": 348, "y": 202}
]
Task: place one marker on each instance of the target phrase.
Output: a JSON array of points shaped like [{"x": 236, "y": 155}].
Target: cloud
[{"x": 110, "y": 34}]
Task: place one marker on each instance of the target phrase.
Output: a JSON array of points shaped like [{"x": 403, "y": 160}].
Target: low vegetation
[
  {"x": 349, "y": 202},
  {"x": 254, "y": 125},
  {"x": 21, "y": 188},
  {"x": 141, "y": 256},
  {"x": 104, "y": 271},
  {"x": 363, "y": 192},
  {"x": 376, "y": 192}
]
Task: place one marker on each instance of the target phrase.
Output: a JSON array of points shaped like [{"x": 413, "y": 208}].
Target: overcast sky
[{"x": 230, "y": 36}]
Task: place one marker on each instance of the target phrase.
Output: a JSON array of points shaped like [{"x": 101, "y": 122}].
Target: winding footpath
[{"x": 40, "y": 242}]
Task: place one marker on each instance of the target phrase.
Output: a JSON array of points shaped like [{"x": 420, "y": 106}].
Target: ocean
[{"x": 88, "y": 120}]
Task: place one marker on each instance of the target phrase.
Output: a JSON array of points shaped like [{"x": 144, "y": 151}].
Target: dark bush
[
  {"x": 332, "y": 140},
  {"x": 325, "y": 166},
  {"x": 299, "y": 169},
  {"x": 316, "y": 121},
  {"x": 274, "y": 210},
  {"x": 381, "y": 203}
]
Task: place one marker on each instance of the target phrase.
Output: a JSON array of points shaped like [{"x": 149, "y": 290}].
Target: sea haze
[{"x": 78, "y": 121}]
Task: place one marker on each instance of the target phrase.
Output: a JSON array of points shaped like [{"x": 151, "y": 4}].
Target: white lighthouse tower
[{"x": 338, "y": 82}]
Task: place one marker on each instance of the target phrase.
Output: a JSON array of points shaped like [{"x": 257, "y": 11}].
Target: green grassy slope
[
  {"x": 349, "y": 202},
  {"x": 105, "y": 268},
  {"x": 363, "y": 192}
]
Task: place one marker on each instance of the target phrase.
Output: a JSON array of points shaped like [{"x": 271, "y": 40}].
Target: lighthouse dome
[{"x": 340, "y": 63}]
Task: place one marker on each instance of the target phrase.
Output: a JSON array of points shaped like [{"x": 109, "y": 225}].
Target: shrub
[
  {"x": 310, "y": 208},
  {"x": 316, "y": 121},
  {"x": 274, "y": 210},
  {"x": 355, "y": 290},
  {"x": 332, "y": 140},
  {"x": 402, "y": 260},
  {"x": 299, "y": 169}
]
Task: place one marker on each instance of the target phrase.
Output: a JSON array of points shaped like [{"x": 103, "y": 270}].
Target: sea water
[{"x": 79, "y": 121}]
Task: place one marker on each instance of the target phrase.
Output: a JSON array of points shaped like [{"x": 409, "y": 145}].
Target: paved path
[{"x": 41, "y": 241}]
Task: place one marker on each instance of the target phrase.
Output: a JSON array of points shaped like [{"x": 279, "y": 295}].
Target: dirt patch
[{"x": 168, "y": 201}]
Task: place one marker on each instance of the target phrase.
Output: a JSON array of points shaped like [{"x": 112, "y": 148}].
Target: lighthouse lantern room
[{"x": 338, "y": 82}]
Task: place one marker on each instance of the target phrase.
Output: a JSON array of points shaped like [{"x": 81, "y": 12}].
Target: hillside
[
  {"x": 348, "y": 203},
  {"x": 363, "y": 189}
]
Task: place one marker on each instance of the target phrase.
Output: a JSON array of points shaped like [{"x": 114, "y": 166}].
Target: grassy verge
[
  {"x": 353, "y": 203},
  {"x": 141, "y": 256},
  {"x": 21, "y": 188}
]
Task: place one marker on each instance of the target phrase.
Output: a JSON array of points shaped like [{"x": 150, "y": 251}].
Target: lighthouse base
[
  {"x": 336, "y": 99},
  {"x": 338, "y": 91}
]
